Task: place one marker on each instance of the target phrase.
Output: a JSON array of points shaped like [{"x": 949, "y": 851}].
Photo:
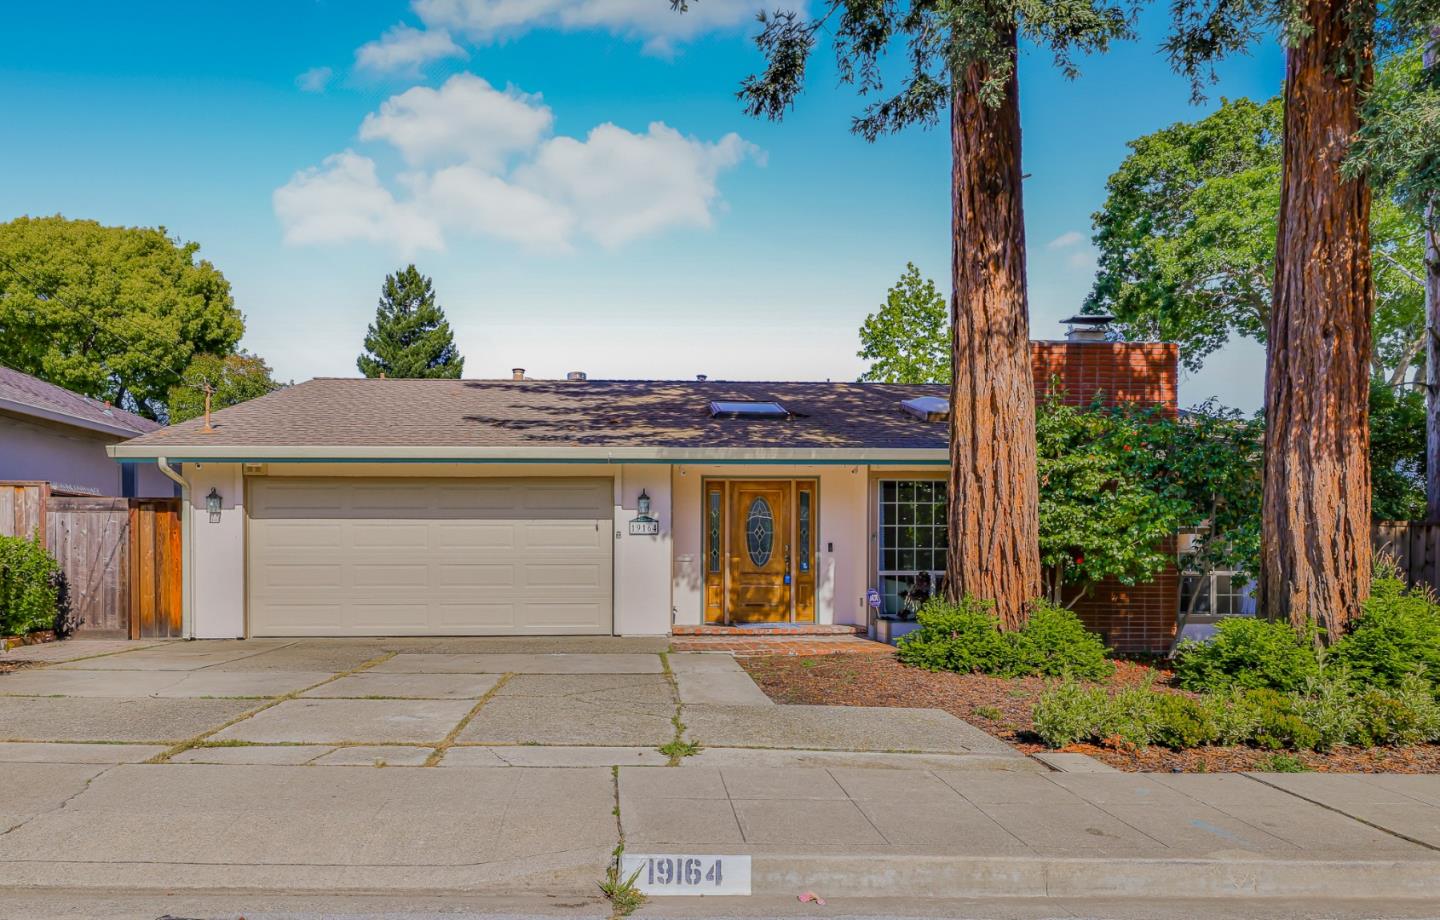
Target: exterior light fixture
[
  {"x": 643, "y": 504},
  {"x": 212, "y": 505}
]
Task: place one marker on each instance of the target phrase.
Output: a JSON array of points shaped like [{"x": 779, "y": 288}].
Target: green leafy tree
[
  {"x": 1187, "y": 241},
  {"x": 908, "y": 339},
  {"x": 1117, "y": 483},
  {"x": 115, "y": 313},
  {"x": 960, "y": 59},
  {"x": 410, "y": 336},
  {"x": 1397, "y": 452},
  {"x": 230, "y": 379}
]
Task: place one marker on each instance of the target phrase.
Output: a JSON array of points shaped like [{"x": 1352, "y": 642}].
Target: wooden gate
[{"x": 121, "y": 557}]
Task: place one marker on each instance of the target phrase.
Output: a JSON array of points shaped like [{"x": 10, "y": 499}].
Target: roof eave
[
  {"x": 215, "y": 453},
  {"x": 64, "y": 418}
]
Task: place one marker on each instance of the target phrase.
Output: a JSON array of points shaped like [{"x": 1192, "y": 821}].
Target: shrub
[
  {"x": 1181, "y": 722},
  {"x": 966, "y": 637},
  {"x": 1277, "y": 725},
  {"x": 1327, "y": 706},
  {"x": 1397, "y": 634},
  {"x": 1248, "y": 653},
  {"x": 28, "y": 578},
  {"x": 1068, "y": 713},
  {"x": 962, "y": 637},
  {"x": 1408, "y": 714},
  {"x": 1054, "y": 642}
]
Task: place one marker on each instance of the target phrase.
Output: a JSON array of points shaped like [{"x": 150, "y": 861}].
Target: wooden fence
[
  {"x": 121, "y": 557},
  {"x": 1415, "y": 546}
]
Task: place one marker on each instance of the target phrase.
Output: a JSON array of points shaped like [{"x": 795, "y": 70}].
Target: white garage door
[{"x": 446, "y": 557}]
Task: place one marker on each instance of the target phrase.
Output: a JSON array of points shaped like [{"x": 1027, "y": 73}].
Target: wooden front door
[{"x": 759, "y": 552}]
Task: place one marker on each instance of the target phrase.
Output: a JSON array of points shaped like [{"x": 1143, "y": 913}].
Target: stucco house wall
[{"x": 70, "y": 459}]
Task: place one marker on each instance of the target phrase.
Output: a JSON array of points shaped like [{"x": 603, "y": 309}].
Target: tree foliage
[
  {"x": 940, "y": 38},
  {"x": 1187, "y": 240},
  {"x": 1117, "y": 483},
  {"x": 410, "y": 336},
  {"x": 1397, "y": 452},
  {"x": 1399, "y": 143},
  {"x": 908, "y": 339},
  {"x": 232, "y": 379},
  {"x": 115, "y": 313}
]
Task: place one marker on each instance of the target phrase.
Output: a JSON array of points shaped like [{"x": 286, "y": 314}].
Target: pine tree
[{"x": 410, "y": 336}]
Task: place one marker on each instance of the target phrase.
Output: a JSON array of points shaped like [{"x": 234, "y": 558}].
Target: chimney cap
[
  {"x": 517, "y": 373},
  {"x": 575, "y": 375},
  {"x": 1088, "y": 327},
  {"x": 1089, "y": 319}
]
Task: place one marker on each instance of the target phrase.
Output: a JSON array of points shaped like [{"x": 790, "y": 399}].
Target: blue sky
[{"x": 575, "y": 175}]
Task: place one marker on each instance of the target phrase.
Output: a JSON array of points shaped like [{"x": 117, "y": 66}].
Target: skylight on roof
[
  {"x": 927, "y": 408},
  {"x": 735, "y": 408}
]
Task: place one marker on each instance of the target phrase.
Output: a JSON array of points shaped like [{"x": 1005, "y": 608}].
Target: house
[
  {"x": 349, "y": 507},
  {"x": 50, "y": 434}
]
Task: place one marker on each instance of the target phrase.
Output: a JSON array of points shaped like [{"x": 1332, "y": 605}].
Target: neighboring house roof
[
  {"x": 331, "y": 418},
  {"x": 23, "y": 394}
]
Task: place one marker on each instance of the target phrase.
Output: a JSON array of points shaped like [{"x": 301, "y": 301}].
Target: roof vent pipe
[
  {"x": 575, "y": 375},
  {"x": 517, "y": 373},
  {"x": 701, "y": 377}
]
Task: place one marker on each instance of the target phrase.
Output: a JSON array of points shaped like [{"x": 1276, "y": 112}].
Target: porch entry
[{"x": 760, "y": 537}]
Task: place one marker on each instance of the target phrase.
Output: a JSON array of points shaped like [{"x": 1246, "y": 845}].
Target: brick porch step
[
  {"x": 759, "y": 631},
  {"x": 805, "y": 646}
]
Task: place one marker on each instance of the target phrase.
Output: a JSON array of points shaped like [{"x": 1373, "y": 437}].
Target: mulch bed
[{"x": 1001, "y": 706}]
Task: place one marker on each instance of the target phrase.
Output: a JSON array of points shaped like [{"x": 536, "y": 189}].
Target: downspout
[{"x": 187, "y": 558}]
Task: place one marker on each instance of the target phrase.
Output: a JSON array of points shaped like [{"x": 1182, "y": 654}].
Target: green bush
[
  {"x": 28, "y": 586},
  {"x": 1277, "y": 725},
  {"x": 963, "y": 637},
  {"x": 1181, "y": 722},
  {"x": 1248, "y": 653},
  {"x": 1397, "y": 634},
  {"x": 966, "y": 637},
  {"x": 1068, "y": 713},
  {"x": 1054, "y": 642},
  {"x": 1409, "y": 714}
]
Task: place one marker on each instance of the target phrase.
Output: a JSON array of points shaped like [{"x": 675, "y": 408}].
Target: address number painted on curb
[{"x": 671, "y": 874}]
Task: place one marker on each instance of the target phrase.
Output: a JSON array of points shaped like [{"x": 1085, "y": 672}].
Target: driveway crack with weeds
[
  {"x": 200, "y": 739},
  {"x": 677, "y": 748},
  {"x": 449, "y": 740}
]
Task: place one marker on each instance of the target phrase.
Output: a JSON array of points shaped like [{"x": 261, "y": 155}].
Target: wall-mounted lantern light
[
  {"x": 212, "y": 505},
  {"x": 642, "y": 504}
]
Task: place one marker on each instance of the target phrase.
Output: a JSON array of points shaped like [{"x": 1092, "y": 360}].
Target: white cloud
[
  {"x": 460, "y": 142},
  {"x": 1067, "y": 240},
  {"x": 466, "y": 120},
  {"x": 621, "y": 186},
  {"x": 650, "y": 20},
  {"x": 405, "y": 49},
  {"x": 342, "y": 200},
  {"x": 315, "y": 79}
]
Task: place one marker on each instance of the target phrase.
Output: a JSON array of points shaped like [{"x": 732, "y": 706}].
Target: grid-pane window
[
  {"x": 913, "y": 538},
  {"x": 1222, "y": 594}
]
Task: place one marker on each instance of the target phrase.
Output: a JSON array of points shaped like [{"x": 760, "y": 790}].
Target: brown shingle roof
[
  {"x": 23, "y": 392},
  {"x": 360, "y": 413}
]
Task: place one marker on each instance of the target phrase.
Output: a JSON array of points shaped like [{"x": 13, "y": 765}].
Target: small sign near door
[
  {"x": 683, "y": 875},
  {"x": 643, "y": 526}
]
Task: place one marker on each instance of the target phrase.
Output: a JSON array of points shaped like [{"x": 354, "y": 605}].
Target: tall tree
[
  {"x": 1315, "y": 532},
  {"x": 1187, "y": 241},
  {"x": 410, "y": 336},
  {"x": 908, "y": 339},
  {"x": 962, "y": 54},
  {"x": 227, "y": 379},
  {"x": 116, "y": 313}
]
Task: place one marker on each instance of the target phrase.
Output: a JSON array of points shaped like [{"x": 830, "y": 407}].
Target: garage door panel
[{"x": 447, "y": 557}]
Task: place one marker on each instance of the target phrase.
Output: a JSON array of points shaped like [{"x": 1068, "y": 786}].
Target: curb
[{"x": 1041, "y": 877}]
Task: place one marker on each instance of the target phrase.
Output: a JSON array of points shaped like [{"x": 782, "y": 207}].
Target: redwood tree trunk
[
  {"x": 994, "y": 501},
  {"x": 1315, "y": 535}
]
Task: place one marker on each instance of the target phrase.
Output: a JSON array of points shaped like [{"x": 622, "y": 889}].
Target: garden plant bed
[{"x": 1001, "y": 706}]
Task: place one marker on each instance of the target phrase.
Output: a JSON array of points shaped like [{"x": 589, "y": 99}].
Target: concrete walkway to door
[{"x": 516, "y": 766}]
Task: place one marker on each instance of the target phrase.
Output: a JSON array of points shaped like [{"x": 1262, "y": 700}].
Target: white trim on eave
[{"x": 435, "y": 454}]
